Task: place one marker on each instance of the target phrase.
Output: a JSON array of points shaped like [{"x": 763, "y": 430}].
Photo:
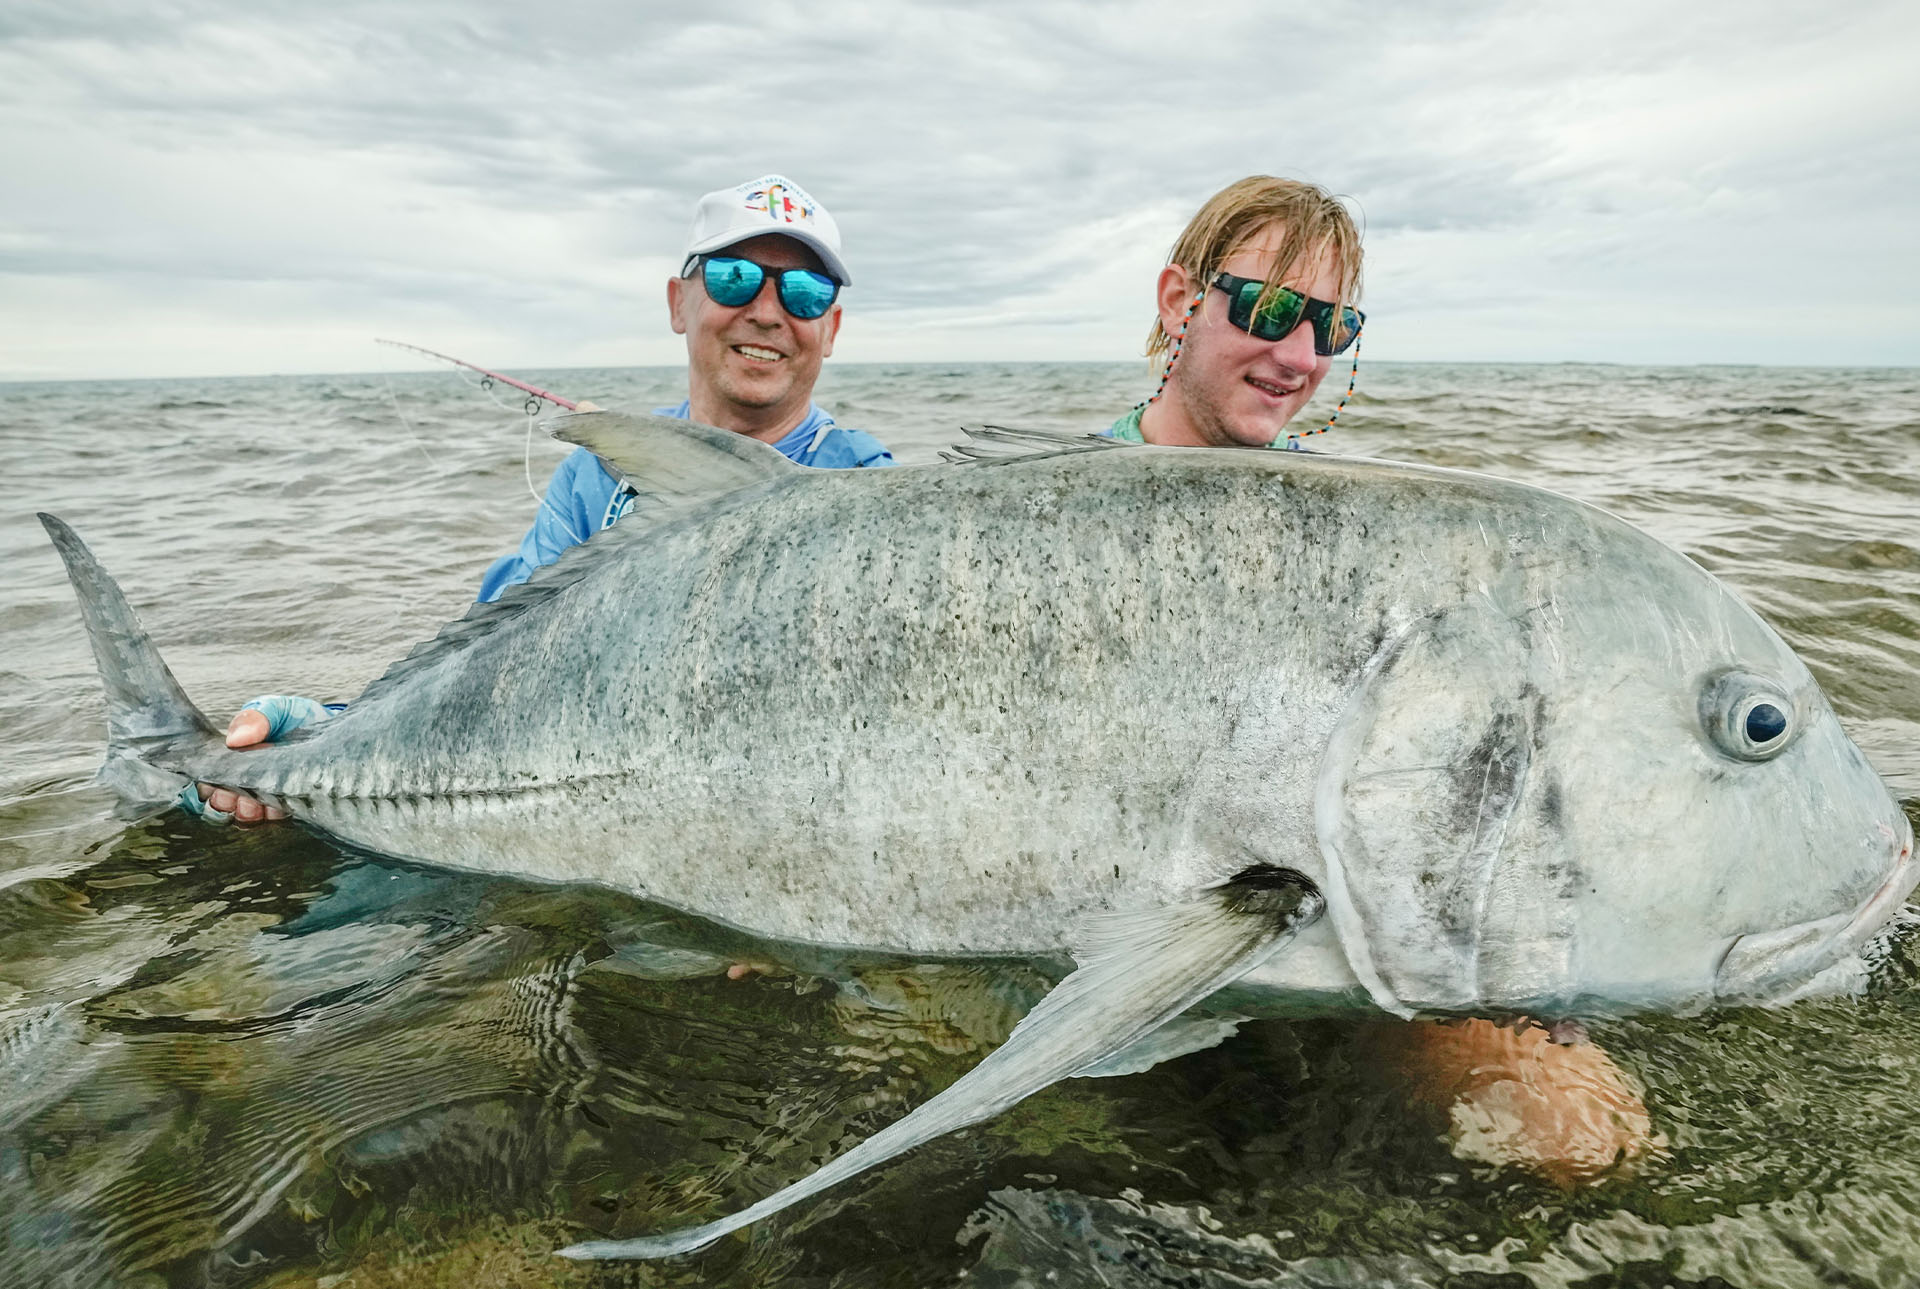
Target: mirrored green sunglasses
[{"x": 1334, "y": 327}]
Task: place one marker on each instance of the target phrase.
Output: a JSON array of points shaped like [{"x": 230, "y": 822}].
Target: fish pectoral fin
[{"x": 1138, "y": 972}]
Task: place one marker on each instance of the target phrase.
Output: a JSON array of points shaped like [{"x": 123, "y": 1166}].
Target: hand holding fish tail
[{"x": 265, "y": 719}]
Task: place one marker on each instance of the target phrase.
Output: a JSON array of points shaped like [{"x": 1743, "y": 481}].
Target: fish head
[{"x": 1595, "y": 782}]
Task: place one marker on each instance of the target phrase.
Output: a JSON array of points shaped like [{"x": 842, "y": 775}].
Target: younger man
[
  {"x": 1254, "y": 304},
  {"x": 1255, "y": 301}
]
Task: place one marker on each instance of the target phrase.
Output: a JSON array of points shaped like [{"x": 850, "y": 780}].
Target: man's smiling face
[
  {"x": 1236, "y": 390},
  {"x": 752, "y": 368}
]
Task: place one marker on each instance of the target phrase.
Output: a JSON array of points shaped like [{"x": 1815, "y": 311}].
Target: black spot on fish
[
  {"x": 1486, "y": 778},
  {"x": 1552, "y": 809}
]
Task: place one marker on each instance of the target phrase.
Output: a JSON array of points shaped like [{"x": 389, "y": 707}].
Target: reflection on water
[{"x": 255, "y": 1058}]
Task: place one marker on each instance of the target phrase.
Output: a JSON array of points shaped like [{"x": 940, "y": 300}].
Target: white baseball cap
[{"x": 769, "y": 204}]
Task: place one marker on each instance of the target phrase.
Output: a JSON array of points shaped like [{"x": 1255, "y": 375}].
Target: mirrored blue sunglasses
[{"x": 733, "y": 281}]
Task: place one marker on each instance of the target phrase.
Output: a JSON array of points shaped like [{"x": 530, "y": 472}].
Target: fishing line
[
  {"x": 531, "y": 409},
  {"x": 417, "y": 441}
]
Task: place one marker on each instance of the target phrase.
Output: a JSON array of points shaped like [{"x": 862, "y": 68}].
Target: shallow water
[{"x": 251, "y": 1057}]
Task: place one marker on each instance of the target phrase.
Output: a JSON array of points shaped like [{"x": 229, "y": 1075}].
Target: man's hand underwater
[
  {"x": 1519, "y": 1096},
  {"x": 264, "y": 720}
]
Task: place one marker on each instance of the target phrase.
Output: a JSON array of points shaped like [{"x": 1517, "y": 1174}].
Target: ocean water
[{"x": 253, "y": 1057}]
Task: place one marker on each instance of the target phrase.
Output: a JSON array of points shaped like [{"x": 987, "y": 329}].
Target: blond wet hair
[{"x": 1313, "y": 221}]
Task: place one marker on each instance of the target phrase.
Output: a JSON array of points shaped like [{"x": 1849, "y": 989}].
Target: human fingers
[
  {"x": 193, "y": 800},
  {"x": 222, "y": 805}
]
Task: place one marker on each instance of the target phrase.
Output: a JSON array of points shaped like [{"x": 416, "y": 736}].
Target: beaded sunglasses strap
[
  {"x": 1293, "y": 440},
  {"x": 1173, "y": 353}
]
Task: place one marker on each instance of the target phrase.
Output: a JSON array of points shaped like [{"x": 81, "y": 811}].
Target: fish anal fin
[{"x": 1139, "y": 971}]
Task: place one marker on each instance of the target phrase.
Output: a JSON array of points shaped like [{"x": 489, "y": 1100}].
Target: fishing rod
[
  {"x": 535, "y": 396},
  {"x": 534, "y": 392}
]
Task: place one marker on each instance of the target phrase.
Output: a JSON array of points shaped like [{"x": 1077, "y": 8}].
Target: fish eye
[
  {"x": 1765, "y": 723},
  {"x": 1748, "y": 717}
]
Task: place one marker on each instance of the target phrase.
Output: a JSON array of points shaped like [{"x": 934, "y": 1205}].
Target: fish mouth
[
  {"x": 1778, "y": 966},
  {"x": 1893, "y": 892}
]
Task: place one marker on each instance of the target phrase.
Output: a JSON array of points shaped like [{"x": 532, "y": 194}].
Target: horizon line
[{"x": 934, "y": 362}]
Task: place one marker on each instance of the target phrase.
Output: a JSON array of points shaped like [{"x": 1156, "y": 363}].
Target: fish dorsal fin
[
  {"x": 995, "y": 444},
  {"x": 674, "y": 464},
  {"x": 675, "y": 468}
]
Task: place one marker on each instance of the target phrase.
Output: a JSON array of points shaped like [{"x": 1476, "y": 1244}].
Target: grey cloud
[{"x": 968, "y": 151}]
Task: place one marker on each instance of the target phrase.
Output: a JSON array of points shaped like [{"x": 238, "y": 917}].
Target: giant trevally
[{"x": 1161, "y": 707}]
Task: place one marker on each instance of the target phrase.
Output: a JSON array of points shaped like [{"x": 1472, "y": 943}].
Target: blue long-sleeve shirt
[{"x": 582, "y": 498}]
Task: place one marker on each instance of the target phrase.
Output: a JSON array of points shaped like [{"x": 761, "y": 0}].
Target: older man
[{"x": 757, "y": 298}]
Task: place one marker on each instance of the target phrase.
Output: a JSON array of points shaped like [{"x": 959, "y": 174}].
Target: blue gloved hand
[
  {"x": 280, "y": 715},
  {"x": 191, "y": 803},
  {"x": 288, "y": 712}
]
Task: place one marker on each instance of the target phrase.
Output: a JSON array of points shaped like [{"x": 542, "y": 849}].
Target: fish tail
[{"x": 150, "y": 719}]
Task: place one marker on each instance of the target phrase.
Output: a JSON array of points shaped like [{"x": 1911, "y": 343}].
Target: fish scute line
[{"x": 355, "y": 793}]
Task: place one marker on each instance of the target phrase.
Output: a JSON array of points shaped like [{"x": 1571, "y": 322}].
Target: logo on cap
[{"x": 780, "y": 202}]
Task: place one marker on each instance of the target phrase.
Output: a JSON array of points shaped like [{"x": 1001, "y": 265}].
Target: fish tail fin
[{"x": 148, "y": 714}]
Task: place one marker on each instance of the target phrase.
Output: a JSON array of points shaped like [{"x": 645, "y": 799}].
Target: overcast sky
[{"x": 207, "y": 188}]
